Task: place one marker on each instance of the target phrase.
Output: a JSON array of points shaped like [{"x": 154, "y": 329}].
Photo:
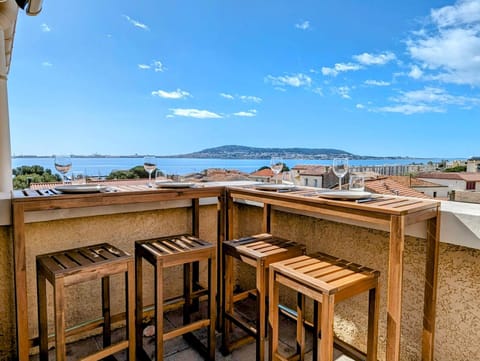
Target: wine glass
[
  {"x": 276, "y": 165},
  {"x": 340, "y": 169},
  {"x": 63, "y": 164},
  {"x": 150, "y": 164}
]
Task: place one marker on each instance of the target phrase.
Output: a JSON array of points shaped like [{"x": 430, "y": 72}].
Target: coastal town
[{"x": 457, "y": 180}]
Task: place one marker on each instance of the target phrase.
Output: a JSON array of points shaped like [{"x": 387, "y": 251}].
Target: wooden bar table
[
  {"x": 49, "y": 199},
  {"x": 393, "y": 212}
]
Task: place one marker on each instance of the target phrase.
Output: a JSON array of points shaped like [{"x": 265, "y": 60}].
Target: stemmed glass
[
  {"x": 63, "y": 164},
  {"x": 276, "y": 165},
  {"x": 150, "y": 164},
  {"x": 340, "y": 169}
]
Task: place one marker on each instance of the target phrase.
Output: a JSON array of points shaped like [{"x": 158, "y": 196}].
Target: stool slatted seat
[
  {"x": 327, "y": 280},
  {"x": 168, "y": 252},
  {"x": 73, "y": 266},
  {"x": 258, "y": 251}
]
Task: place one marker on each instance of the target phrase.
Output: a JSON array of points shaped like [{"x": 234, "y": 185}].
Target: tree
[
  {"x": 133, "y": 173},
  {"x": 284, "y": 169},
  {"x": 458, "y": 168},
  {"x": 25, "y": 175}
]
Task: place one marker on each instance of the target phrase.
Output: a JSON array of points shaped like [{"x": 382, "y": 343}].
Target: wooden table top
[
  {"x": 50, "y": 198},
  {"x": 381, "y": 207}
]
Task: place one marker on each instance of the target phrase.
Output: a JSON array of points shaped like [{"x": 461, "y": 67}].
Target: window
[
  {"x": 434, "y": 194},
  {"x": 470, "y": 186},
  {"x": 306, "y": 181},
  {"x": 315, "y": 182}
]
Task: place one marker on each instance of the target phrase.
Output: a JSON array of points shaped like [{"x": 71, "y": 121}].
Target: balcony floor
[{"x": 179, "y": 349}]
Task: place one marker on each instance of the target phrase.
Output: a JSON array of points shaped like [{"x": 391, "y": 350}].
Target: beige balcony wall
[
  {"x": 458, "y": 305},
  {"x": 7, "y": 315},
  {"x": 458, "y": 297},
  {"x": 84, "y": 300}
]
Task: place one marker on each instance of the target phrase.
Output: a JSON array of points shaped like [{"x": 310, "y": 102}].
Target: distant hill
[{"x": 244, "y": 152}]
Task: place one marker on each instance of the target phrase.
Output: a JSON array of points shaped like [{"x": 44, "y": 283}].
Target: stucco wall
[
  {"x": 7, "y": 328},
  {"x": 120, "y": 230},
  {"x": 458, "y": 304},
  {"x": 458, "y": 297}
]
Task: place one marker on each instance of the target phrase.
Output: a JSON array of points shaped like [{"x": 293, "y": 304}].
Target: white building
[{"x": 455, "y": 180}]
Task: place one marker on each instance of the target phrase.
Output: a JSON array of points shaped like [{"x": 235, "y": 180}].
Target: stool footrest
[
  {"x": 251, "y": 330},
  {"x": 185, "y": 329},
  {"x": 107, "y": 351}
]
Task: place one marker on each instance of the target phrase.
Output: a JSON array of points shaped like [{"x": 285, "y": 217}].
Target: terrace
[{"x": 35, "y": 222}]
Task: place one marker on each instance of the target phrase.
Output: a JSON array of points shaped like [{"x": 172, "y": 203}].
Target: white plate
[
  {"x": 274, "y": 187},
  {"x": 80, "y": 188},
  {"x": 174, "y": 185},
  {"x": 345, "y": 195}
]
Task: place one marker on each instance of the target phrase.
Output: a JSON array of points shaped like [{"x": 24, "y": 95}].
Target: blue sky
[{"x": 168, "y": 77}]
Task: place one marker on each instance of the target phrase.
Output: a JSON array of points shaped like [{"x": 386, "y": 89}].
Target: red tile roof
[
  {"x": 391, "y": 187},
  {"x": 414, "y": 182},
  {"x": 266, "y": 172},
  {"x": 468, "y": 177}
]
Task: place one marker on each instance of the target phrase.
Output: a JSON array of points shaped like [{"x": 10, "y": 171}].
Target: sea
[{"x": 104, "y": 166}]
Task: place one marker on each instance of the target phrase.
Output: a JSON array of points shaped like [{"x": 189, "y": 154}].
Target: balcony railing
[{"x": 121, "y": 222}]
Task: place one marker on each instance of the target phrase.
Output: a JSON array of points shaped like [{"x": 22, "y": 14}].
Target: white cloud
[
  {"x": 176, "y": 94},
  {"x": 435, "y": 95},
  {"x": 463, "y": 12},
  {"x": 136, "y": 23},
  {"x": 158, "y": 66},
  {"x": 360, "y": 106},
  {"x": 427, "y": 100},
  {"x": 303, "y": 25},
  {"x": 45, "y": 28},
  {"x": 47, "y": 64},
  {"x": 448, "y": 49},
  {"x": 343, "y": 91},
  {"x": 415, "y": 72},
  {"x": 409, "y": 109},
  {"x": 296, "y": 80},
  {"x": 143, "y": 66},
  {"x": 375, "y": 59},
  {"x": 250, "y": 98},
  {"x": 195, "y": 113},
  {"x": 227, "y": 96},
  {"x": 318, "y": 91},
  {"x": 377, "y": 82},
  {"x": 250, "y": 113},
  {"x": 339, "y": 68}
]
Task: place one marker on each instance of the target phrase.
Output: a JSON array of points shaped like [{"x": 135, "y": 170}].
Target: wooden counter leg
[
  {"x": 394, "y": 288},
  {"x": 430, "y": 298},
  {"x": 23, "y": 346},
  {"x": 267, "y": 218}
]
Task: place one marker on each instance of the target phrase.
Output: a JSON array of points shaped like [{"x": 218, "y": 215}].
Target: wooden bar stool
[
  {"x": 167, "y": 252},
  {"x": 258, "y": 251},
  {"x": 327, "y": 280},
  {"x": 66, "y": 268}
]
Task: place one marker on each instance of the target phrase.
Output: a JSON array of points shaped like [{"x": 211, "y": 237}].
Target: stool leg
[
  {"x": 138, "y": 302},
  {"x": 212, "y": 286},
  {"x": 301, "y": 326},
  {"x": 273, "y": 315},
  {"x": 326, "y": 343},
  {"x": 373, "y": 310},
  {"x": 227, "y": 300},
  {"x": 159, "y": 310},
  {"x": 42, "y": 314},
  {"x": 107, "y": 334},
  {"x": 317, "y": 321},
  {"x": 130, "y": 303},
  {"x": 261, "y": 310},
  {"x": 59, "y": 293},
  {"x": 187, "y": 292}
]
